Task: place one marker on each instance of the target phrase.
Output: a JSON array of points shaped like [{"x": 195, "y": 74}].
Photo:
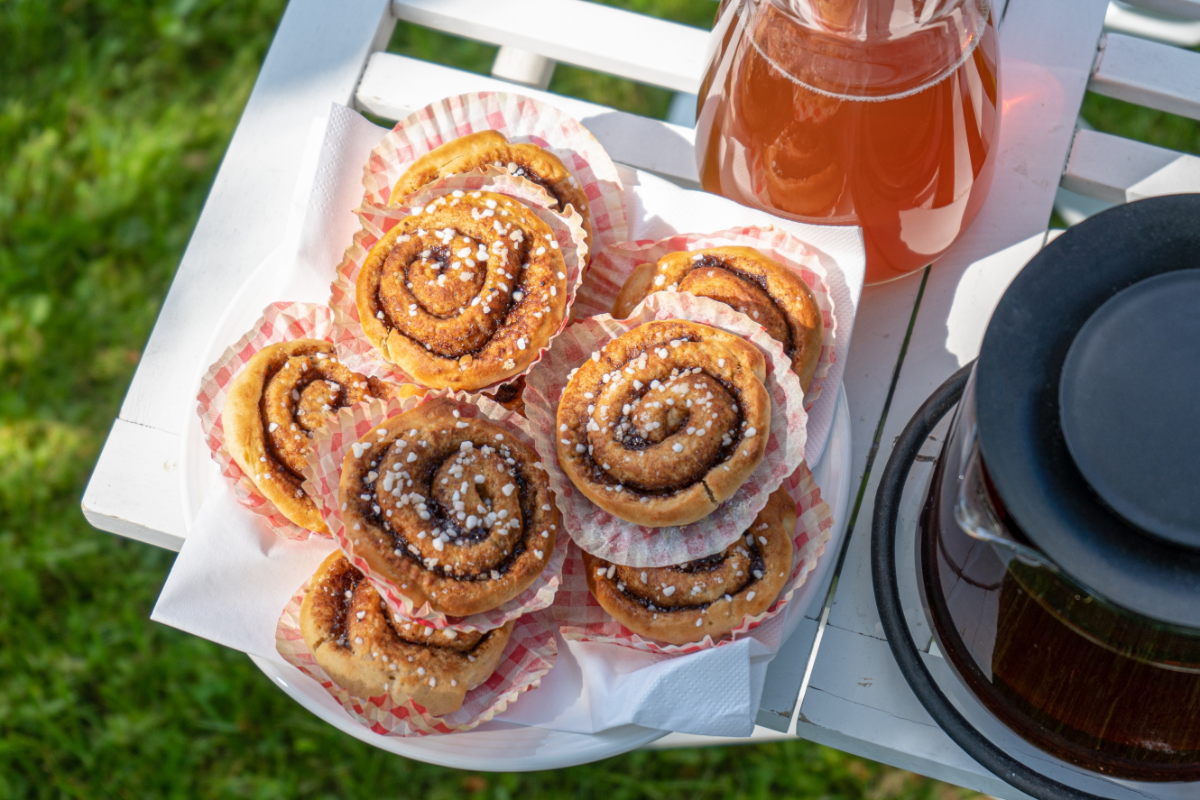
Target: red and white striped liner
[
  {"x": 521, "y": 119},
  {"x": 582, "y": 618},
  {"x": 530, "y": 654},
  {"x": 604, "y": 535},
  {"x": 612, "y": 267},
  {"x": 329, "y": 448},
  {"x": 377, "y": 220},
  {"x": 280, "y": 322}
]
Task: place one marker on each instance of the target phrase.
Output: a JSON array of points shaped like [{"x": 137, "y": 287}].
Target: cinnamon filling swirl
[
  {"x": 370, "y": 651},
  {"x": 465, "y": 292},
  {"x": 746, "y": 292},
  {"x": 454, "y": 511},
  {"x": 696, "y": 584},
  {"x": 747, "y": 281},
  {"x": 709, "y": 596},
  {"x": 491, "y": 148},
  {"x": 283, "y": 395},
  {"x": 522, "y": 167},
  {"x": 300, "y": 397},
  {"x": 665, "y": 422}
]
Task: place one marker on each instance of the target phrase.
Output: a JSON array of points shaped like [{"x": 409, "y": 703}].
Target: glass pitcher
[{"x": 879, "y": 113}]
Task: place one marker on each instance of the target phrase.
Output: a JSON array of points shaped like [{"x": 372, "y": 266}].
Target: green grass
[{"x": 113, "y": 119}]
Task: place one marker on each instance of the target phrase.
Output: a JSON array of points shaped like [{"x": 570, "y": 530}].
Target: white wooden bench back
[{"x": 666, "y": 54}]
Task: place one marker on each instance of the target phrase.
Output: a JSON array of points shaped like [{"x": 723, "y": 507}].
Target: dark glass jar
[{"x": 1076, "y": 674}]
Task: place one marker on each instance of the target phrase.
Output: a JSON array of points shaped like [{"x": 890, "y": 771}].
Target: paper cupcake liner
[
  {"x": 582, "y": 618},
  {"x": 280, "y": 322},
  {"x": 612, "y": 267},
  {"x": 522, "y": 120},
  {"x": 603, "y": 534},
  {"x": 377, "y": 219},
  {"x": 324, "y": 472},
  {"x": 530, "y": 654}
]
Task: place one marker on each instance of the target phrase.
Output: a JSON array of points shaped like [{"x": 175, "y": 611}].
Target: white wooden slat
[
  {"x": 879, "y": 331},
  {"x": 1118, "y": 170},
  {"x": 856, "y": 610},
  {"x": 1149, "y": 74},
  {"x": 587, "y": 35},
  {"x": 784, "y": 683},
  {"x": 785, "y": 674},
  {"x": 393, "y": 86},
  {"x": 522, "y": 66},
  {"x": 317, "y": 57},
  {"x": 1124, "y": 18},
  {"x": 673, "y": 741},
  {"x": 1182, "y": 9},
  {"x": 137, "y": 471}
]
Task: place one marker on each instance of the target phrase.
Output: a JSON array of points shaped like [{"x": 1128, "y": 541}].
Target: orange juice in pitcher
[{"x": 879, "y": 113}]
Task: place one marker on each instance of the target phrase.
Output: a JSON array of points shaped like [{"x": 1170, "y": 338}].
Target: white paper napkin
[
  {"x": 232, "y": 578},
  {"x": 231, "y": 573}
]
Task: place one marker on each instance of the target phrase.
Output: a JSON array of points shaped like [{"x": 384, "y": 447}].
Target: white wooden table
[{"x": 837, "y": 667}]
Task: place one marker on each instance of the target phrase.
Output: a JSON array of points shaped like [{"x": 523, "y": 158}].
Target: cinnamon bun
[
  {"x": 665, "y": 422},
  {"x": 368, "y": 651},
  {"x": 453, "y": 511},
  {"x": 465, "y": 292},
  {"x": 749, "y": 282},
  {"x": 491, "y": 148},
  {"x": 285, "y": 392},
  {"x": 709, "y": 596}
]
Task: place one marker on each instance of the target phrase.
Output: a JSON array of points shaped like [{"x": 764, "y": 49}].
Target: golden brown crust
[
  {"x": 664, "y": 423},
  {"x": 707, "y": 597},
  {"x": 284, "y": 393},
  {"x": 749, "y": 282},
  {"x": 491, "y": 148},
  {"x": 370, "y": 652},
  {"x": 413, "y": 491},
  {"x": 465, "y": 292}
]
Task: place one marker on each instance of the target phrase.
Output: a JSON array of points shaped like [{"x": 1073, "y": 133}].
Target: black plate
[
  {"x": 1128, "y": 404},
  {"x": 1017, "y": 405}
]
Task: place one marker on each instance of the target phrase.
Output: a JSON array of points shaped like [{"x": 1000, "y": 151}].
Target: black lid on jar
[{"x": 1088, "y": 405}]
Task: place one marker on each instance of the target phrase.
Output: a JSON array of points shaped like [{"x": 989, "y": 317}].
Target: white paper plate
[{"x": 504, "y": 747}]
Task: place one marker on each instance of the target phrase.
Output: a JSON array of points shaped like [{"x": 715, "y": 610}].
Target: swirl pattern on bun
[
  {"x": 491, "y": 148},
  {"x": 285, "y": 392},
  {"x": 748, "y": 281},
  {"x": 370, "y": 652},
  {"x": 453, "y": 511},
  {"x": 709, "y": 596},
  {"x": 465, "y": 292},
  {"x": 665, "y": 422}
]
